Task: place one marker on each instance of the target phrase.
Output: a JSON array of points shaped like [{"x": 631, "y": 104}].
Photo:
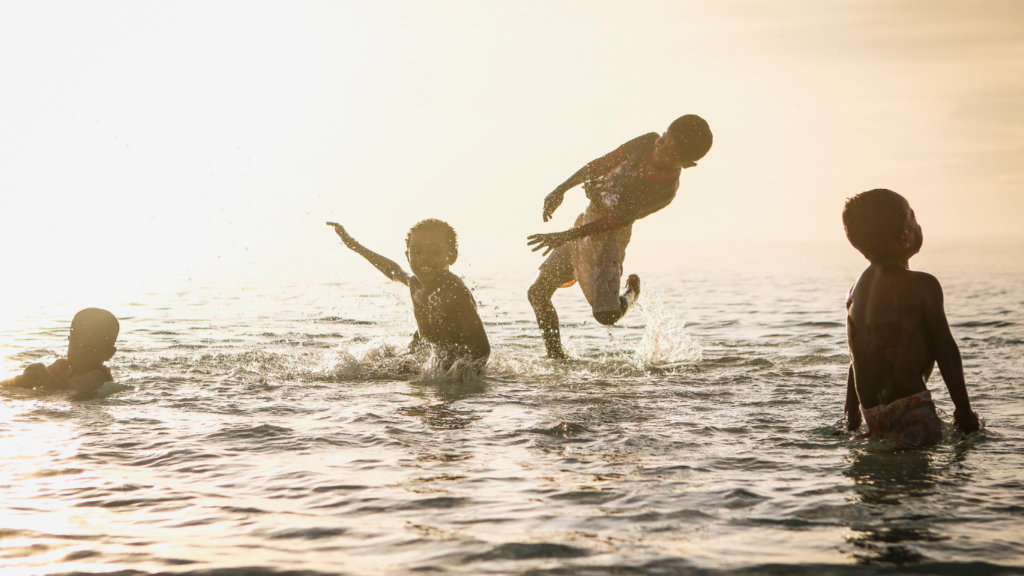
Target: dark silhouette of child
[
  {"x": 446, "y": 314},
  {"x": 90, "y": 344},
  {"x": 636, "y": 180},
  {"x": 897, "y": 330}
]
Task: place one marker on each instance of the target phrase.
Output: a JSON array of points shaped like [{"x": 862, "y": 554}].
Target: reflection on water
[{"x": 894, "y": 487}]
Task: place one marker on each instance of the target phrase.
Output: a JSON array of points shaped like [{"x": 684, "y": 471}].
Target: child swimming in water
[
  {"x": 636, "y": 180},
  {"x": 897, "y": 330},
  {"x": 444, "y": 308},
  {"x": 90, "y": 344}
]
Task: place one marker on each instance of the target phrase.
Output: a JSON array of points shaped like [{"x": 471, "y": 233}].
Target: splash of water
[
  {"x": 385, "y": 357},
  {"x": 665, "y": 341}
]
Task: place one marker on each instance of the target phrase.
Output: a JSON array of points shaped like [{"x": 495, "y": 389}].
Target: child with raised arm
[
  {"x": 636, "y": 180},
  {"x": 897, "y": 330},
  {"x": 444, "y": 308},
  {"x": 90, "y": 344}
]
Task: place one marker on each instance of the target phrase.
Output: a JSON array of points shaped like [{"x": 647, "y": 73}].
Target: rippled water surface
[{"x": 272, "y": 425}]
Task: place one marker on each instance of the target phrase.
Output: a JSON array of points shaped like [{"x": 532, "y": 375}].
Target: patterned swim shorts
[{"x": 910, "y": 422}]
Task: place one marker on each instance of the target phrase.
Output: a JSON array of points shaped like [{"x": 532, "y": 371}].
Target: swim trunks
[
  {"x": 597, "y": 261},
  {"x": 910, "y": 422}
]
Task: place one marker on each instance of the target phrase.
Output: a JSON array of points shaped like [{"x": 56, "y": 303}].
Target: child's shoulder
[
  {"x": 926, "y": 286},
  {"x": 640, "y": 142},
  {"x": 455, "y": 284}
]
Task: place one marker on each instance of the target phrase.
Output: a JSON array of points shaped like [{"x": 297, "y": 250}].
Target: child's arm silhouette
[
  {"x": 599, "y": 166},
  {"x": 388, "y": 267},
  {"x": 852, "y": 408},
  {"x": 947, "y": 354},
  {"x": 553, "y": 240},
  {"x": 474, "y": 337}
]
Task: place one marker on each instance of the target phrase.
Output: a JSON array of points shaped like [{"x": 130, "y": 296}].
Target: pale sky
[{"x": 169, "y": 136}]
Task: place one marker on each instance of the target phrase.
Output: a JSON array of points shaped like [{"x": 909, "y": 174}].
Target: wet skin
[
  {"x": 445, "y": 311},
  {"x": 897, "y": 332},
  {"x": 667, "y": 158},
  {"x": 87, "y": 351}
]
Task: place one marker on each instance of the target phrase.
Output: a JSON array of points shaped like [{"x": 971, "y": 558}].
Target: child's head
[
  {"x": 431, "y": 246},
  {"x": 882, "y": 226},
  {"x": 91, "y": 342},
  {"x": 687, "y": 140}
]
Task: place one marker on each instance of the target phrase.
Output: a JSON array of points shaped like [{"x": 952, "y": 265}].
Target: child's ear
[
  {"x": 453, "y": 255},
  {"x": 111, "y": 354},
  {"x": 905, "y": 239}
]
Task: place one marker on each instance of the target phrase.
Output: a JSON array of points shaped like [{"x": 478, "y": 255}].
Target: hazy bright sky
[{"x": 166, "y": 136}]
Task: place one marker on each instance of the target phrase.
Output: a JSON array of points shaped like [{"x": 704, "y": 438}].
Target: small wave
[
  {"x": 517, "y": 551},
  {"x": 340, "y": 320},
  {"x": 562, "y": 430},
  {"x": 984, "y": 324}
]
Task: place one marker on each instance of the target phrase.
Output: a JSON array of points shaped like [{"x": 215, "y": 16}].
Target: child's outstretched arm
[
  {"x": 555, "y": 239},
  {"x": 852, "y": 408},
  {"x": 37, "y": 375},
  {"x": 553, "y": 200},
  {"x": 388, "y": 267},
  {"x": 947, "y": 354}
]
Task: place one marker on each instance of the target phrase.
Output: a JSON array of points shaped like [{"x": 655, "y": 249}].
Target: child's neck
[{"x": 903, "y": 263}]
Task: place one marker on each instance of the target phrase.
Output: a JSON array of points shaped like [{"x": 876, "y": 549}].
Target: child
[
  {"x": 445, "y": 311},
  {"x": 897, "y": 329},
  {"x": 635, "y": 181},
  {"x": 90, "y": 344}
]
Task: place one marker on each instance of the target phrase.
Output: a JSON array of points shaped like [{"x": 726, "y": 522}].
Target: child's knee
[
  {"x": 538, "y": 293},
  {"x": 608, "y": 317}
]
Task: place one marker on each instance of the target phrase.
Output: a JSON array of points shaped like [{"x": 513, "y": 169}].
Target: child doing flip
[
  {"x": 897, "y": 330},
  {"x": 636, "y": 180},
  {"x": 444, "y": 308},
  {"x": 90, "y": 344}
]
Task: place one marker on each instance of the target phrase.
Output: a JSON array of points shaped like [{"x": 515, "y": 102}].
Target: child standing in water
[
  {"x": 636, "y": 180},
  {"x": 445, "y": 310},
  {"x": 897, "y": 329},
  {"x": 90, "y": 344}
]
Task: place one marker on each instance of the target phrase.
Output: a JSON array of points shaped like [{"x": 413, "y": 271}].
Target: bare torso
[
  {"x": 889, "y": 340},
  {"x": 446, "y": 316}
]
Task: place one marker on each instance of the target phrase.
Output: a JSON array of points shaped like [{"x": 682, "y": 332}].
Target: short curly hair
[
  {"x": 873, "y": 221},
  {"x": 435, "y": 224}
]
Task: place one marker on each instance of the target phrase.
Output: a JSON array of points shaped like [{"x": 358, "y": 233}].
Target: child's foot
[{"x": 633, "y": 285}]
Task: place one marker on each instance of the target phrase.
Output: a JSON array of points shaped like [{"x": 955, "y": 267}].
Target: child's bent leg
[
  {"x": 610, "y": 317},
  {"x": 554, "y": 273}
]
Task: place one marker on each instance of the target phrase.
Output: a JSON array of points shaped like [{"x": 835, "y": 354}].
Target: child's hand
[
  {"x": 348, "y": 240},
  {"x": 966, "y": 420},
  {"x": 552, "y": 202},
  {"x": 548, "y": 241}
]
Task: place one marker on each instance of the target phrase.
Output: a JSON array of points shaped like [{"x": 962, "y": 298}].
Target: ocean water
[{"x": 273, "y": 426}]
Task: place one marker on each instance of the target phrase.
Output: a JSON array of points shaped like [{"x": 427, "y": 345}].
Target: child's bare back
[
  {"x": 897, "y": 329},
  {"x": 893, "y": 316}
]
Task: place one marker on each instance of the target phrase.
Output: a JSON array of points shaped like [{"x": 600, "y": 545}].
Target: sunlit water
[{"x": 273, "y": 425}]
